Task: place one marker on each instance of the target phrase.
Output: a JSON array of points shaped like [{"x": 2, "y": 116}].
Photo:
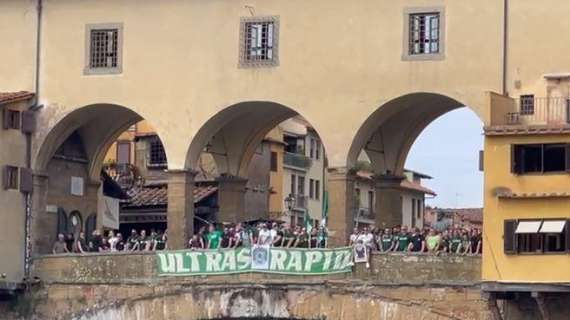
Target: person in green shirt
[
  {"x": 403, "y": 240},
  {"x": 433, "y": 241},
  {"x": 455, "y": 243},
  {"x": 386, "y": 243},
  {"x": 214, "y": 237}
]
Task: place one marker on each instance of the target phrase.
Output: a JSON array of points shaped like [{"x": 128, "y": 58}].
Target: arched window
[
  {"x": 62, "y": 225},
  {"x": 90, "y": 224}
]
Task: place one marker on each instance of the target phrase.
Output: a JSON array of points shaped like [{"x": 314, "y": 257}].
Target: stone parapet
[{"x": 385, "y": 269}]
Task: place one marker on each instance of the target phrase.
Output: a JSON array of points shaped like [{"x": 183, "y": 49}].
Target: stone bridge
[{"x": 127, "y": 286}]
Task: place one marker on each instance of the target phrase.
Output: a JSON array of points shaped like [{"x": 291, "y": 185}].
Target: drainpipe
[
  {"x": 34, "y": 107},
  {"x": 505, "y": 44}
]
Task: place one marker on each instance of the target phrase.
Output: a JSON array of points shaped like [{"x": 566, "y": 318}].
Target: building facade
[{"x": 368, "y": 75}]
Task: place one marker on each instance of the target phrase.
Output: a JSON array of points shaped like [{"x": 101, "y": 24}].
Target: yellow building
[{"x": 369, "y": 75}]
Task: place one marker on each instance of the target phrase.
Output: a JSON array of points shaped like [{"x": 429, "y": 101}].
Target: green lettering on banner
[{"x": 227, "y": 261}]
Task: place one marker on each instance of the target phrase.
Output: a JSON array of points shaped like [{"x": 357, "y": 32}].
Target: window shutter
[
  {"x": 567, "y": 157},
  {"x": 6, "y": 177},
  {"x": 5, "y": 119},
  {"x": 509, "y": 237},
  {"x": 28, "y": 122},
  {"x": 568, "y": 235},
  {"x": 516, "y": 159},
  {"x": 481, "y": 160},
  {"x": 26, "y": 180}
]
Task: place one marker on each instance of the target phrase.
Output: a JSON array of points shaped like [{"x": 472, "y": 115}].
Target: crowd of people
[
  {"x": 459, "y": 241},
  {"x": 264, "y": 233},
  {"x": 111, "y": 242}
]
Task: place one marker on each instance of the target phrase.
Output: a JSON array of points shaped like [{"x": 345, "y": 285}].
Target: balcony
[
  {"x": 364, "y": 214},
  {"x": 300, "y": 201},
  {"x": 534, "y": 111},
  {"x": 296, "y": 160}
]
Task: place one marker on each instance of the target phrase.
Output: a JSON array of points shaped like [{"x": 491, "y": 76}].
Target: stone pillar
[
  {"x": 340, "y": 220},
  {"x": 388, "y": 200},
  {"x": 231, "y": 198},
  {"x": 41, "y": 235},
  {"x": 180, "y": 214}
]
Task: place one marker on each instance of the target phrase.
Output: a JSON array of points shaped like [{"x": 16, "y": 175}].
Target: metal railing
[
  {"x": 296, "y": 160},
  {"x": 300, "y": 201},
  {"x": 540, "y": 111}
]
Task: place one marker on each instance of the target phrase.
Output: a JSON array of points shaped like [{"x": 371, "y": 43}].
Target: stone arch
[
  {"x": 234, "y": 133},
  {"x": 99, "y": 125},
  {"x": 391, "y": 129}
]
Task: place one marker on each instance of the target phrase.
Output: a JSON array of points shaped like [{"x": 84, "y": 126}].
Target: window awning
[
  {"x": 553, "y": 226},
  {"x": 528, "y": 227}
]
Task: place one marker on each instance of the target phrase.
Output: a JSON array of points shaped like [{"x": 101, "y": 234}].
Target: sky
[{"x": 448, "y": 150}]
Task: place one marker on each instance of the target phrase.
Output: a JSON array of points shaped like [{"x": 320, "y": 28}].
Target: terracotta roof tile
[
  {"x": 151, "y": 196},
  {"x": 8, "y": 97},
  {"x": 406, "y": 184}
]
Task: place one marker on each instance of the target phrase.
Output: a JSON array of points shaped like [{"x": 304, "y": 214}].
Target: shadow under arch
[
  {"x": 98, "y": 126},
  {"x": 388, "y": 134},
  {"x": 234, "y": 133}
]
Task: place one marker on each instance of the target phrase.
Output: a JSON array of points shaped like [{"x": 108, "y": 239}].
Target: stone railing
[{"x": 385, "y": 269}]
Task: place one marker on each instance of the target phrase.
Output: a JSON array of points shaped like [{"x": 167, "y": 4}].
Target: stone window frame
[
  {"x": 102, "y": 71},
  {"x": 406, "y": 56},
  {"x": 243, "y": 62}
]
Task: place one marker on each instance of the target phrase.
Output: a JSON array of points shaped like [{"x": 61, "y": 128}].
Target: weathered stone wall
[
  {"x": 384, "y": 269},
  {"x": 127, "y": 286}
]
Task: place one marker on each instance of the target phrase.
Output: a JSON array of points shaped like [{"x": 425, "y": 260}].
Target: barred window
[
  {"x": 104, "y": 45},
  {"x": 157, "y": 153},
  {"x": 424, "y": 33},
  {"x": 259, "y": 41},
  {"x": 527, "y": 104},
  {"x": 103, "y": 53}
]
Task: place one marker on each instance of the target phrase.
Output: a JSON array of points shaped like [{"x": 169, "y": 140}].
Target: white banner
[{"x": 108, "y": 210}]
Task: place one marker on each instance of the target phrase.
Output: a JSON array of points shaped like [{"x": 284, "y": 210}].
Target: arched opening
[
  {"x": 267, "y": 162},
  {"x": 379, "y": 155},
  {"x": 87, "y": 168}
]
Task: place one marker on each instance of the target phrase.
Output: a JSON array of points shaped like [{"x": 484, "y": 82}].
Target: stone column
[
  {"x": 388, "y": 200},
  {"x": 41, "y": 235},
  {"x": 340, "y": 218},
  {"x": 180, "y": 214},
  {"x": 231, "y": 198}
]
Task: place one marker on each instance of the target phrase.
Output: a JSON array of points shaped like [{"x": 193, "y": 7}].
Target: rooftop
[
  {"x": 155, "y": 196},
  {"x": 9, "y": 97}
]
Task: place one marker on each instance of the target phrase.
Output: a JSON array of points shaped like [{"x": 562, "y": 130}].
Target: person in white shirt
[
  {"x": 264, "y": 237},
  {"x": 113, "y": 240},
  {"x": 353, "y": 237},
  {"x": 367, "y": 238}
]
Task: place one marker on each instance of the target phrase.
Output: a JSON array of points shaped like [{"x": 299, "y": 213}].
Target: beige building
[
  {"x": 412, "y": 200},
  {"x": 368, "y": 75}
]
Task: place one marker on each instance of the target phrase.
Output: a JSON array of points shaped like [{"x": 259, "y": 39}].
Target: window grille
[
  {"x": 527, "y": 104},
  {"x": 157, "y": 153},
  {"x": 104, "y": 48},
  {"x": 424, "y": 33},
  {"x": 10, "y": 177},
  {"x": 259, "y": 41}
]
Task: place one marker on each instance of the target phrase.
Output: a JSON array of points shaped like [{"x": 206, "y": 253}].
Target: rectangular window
[
  {"x": 317, "y": 189},
  {"x": 540, "y": 158},
  {"x": 157, "y": 155},
  {"x": 424, "y": 33},
  {"x": 104, "y": 49},
  {"x": 311, "y": 188},
  {"x": 293, "y": 184},
  {"x": 536, "y": 236},
  {"x": 317, "y": 149},
  {"x": 526, "y": 104},
  {"x": 11, "y": 119},
  {"x": 259, "y": 41},
  {"x": 357, "y": 196},
  {"x": 301, "y": 185},
  {"x": 371, "y": 200},
  {"x": 273, "y": 162},
  {"x": 312, "y": 149},
  {"x": 10, "y": 177},
  {"x": 123, "y": 152}
]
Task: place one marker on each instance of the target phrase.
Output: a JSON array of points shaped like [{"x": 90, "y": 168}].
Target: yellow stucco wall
[
  {"x": 12, "y": 202},
  {"x": 520, "y": 268}
]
